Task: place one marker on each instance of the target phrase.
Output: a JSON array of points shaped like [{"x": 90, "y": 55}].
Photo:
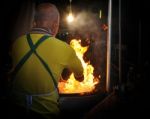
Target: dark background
[{"x": 135, "y": 55}]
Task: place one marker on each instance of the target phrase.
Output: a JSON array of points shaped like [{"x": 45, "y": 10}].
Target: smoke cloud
[
  {"x": 89, "y": 25},
  {"x": 85, "y": 22}
]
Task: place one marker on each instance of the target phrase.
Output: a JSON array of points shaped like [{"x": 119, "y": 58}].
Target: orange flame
[{"x": 89, "y": 82}]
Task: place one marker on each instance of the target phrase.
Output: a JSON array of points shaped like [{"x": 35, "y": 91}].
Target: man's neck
[{"x": 41, "y": 30}]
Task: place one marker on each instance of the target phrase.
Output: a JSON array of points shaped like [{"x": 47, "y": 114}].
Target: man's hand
[{"x": 79, "y": 78}]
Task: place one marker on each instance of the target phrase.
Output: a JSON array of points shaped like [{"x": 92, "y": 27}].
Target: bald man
[{"x": 38, "y": 61}]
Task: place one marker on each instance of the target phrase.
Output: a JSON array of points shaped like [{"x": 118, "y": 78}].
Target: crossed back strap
[{"x": 29, "y": 53}]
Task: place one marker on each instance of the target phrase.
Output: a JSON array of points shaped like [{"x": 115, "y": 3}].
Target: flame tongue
[{"x": 89, "y": 82}]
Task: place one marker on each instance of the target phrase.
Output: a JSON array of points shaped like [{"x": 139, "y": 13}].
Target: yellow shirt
[{"x": 33, "y": 78}]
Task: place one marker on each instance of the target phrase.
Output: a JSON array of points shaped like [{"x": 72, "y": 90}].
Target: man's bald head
[{"x": 47, "y": 16}]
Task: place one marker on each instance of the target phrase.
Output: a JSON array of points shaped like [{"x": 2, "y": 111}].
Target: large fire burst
[{"x": 89, "y": 82}]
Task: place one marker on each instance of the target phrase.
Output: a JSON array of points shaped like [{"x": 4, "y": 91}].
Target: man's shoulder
[
  {"x": 19, "y": 40},
  {"x": 61, "y": 44},
  {"x": 20, "y": 37}
]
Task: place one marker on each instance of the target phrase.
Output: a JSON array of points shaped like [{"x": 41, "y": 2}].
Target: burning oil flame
[{"x": 89, "y": 82}]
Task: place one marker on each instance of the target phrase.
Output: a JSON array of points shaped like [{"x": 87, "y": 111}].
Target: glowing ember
[{"x": 89, "y": 82}]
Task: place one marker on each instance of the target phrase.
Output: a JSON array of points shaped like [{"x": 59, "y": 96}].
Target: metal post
[
  {"x": 109, "y": 46},
  {"x": 120, "y": 46},
  {"x": 139, "y": 45},
  {"x": 70, "y": 11}
]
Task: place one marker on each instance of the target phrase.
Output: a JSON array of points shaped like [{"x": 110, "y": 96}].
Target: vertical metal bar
[
  {"x": 139, "y": 45},
  {"x": 120, "y": 46},
  {"x": 70, "y": 11},
  {"x": 109, "y": 46}
]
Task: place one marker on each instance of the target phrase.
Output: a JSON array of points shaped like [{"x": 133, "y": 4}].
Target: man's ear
[
  {"x": 34, "y": 24},
  {"x": 54, "y": 25},
  {"x": 53, "y": 28}
]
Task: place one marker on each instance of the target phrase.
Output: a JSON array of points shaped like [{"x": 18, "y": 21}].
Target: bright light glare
[
  {"x": 100, "y": 14},
  {"x": 70, "y": 18}
]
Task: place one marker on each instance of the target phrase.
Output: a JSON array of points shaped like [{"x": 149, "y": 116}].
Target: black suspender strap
[
  {"x": 33, "y": 48},
  {"x": 29, "y": 53}
]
